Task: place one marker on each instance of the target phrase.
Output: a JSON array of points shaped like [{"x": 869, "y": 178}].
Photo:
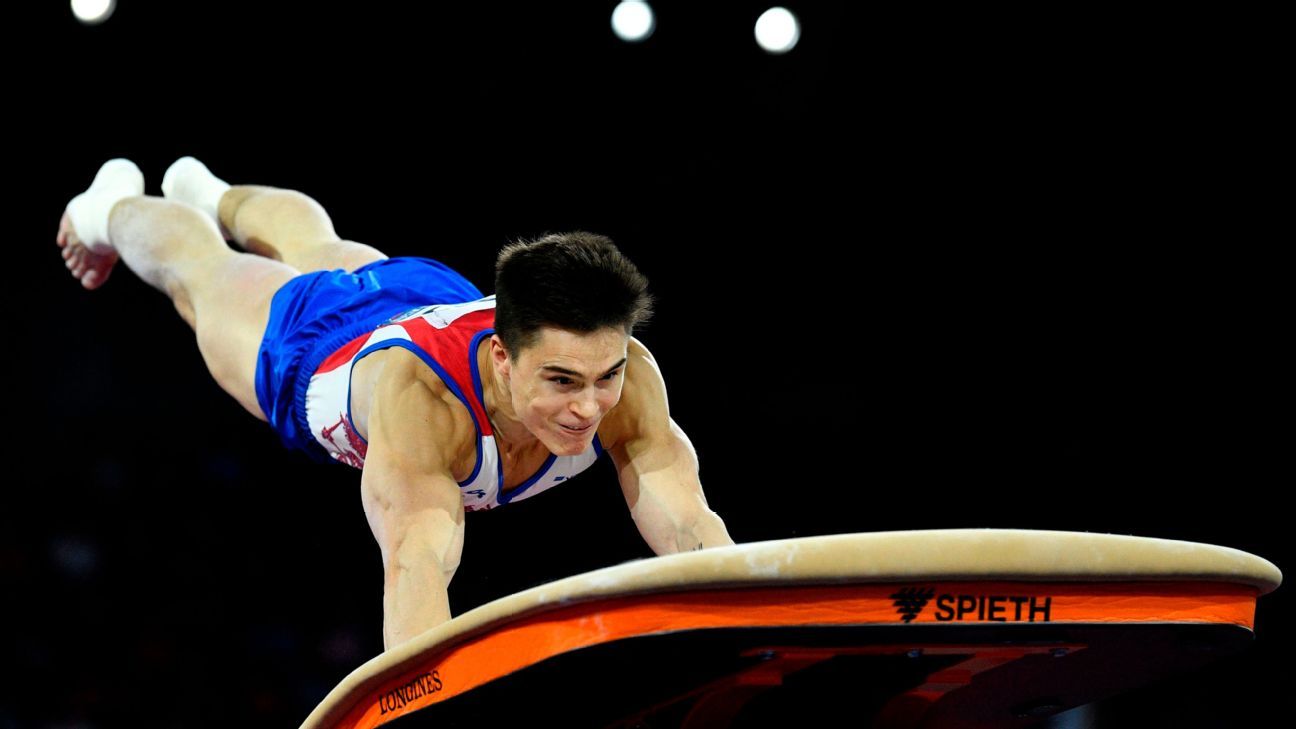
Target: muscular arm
[
  {"x": 658, "y": 466},
  {"x": 413, "y": 506}
]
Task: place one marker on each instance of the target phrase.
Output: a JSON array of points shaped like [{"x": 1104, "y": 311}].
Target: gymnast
[{"x": 446, "y": 400}]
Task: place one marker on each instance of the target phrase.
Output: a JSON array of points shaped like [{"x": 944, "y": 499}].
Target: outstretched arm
[
  {"x": 414, "y": 508},
  {"x": 658, "y": 466}
]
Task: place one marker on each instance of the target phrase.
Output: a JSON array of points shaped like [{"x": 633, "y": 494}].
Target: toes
[
  {"x": 96, "y": 277},
  {"x": 76, "y": 263},
  {"x": 91, "y": 269}
]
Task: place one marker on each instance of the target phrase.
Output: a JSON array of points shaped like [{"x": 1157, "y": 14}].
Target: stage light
[
  {"x": 93, "y": 12},
  {"x": 633, "y": 21},
  {"x": 777, "y": 30}
]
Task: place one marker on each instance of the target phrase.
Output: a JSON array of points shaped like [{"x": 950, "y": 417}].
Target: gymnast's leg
[
  {"x": 277, "y": 223},
  {"x": 222, "y": 294}
]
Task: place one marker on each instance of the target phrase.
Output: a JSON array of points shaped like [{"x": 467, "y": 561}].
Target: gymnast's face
[{"x": 568, "y": 379}]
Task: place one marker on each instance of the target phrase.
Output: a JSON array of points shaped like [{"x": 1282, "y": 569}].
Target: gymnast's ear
[{"x": 499, "y": 355}]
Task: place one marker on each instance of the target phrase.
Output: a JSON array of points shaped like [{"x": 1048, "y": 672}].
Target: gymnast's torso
[
  {"x": 446, "y": 349},
  {"x": 400, "y": 363}
]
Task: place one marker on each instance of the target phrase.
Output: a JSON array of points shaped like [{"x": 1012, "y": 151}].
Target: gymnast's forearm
[{"x": 416, "y": 596}]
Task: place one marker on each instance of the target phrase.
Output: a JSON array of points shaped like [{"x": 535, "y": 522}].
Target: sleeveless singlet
[{"x": 445, "y": 336}]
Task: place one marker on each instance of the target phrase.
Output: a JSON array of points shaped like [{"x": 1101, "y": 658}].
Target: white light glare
[
  {"x": 777, "y": 30},
  {"x": 93, "y": 11},
  {"x": 633, "y": 21}
]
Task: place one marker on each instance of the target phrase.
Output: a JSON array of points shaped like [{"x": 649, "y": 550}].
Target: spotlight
[
  {"x": 93, "y": 12},
  {"x": 777, "y": 30},
  {"x": 633, "y": 21}
]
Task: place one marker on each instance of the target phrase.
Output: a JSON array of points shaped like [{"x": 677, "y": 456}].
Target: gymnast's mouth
[{"x": 570, "y": 429}]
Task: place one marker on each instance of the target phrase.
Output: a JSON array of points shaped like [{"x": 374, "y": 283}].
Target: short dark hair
[{"x": 575, "y": 281}]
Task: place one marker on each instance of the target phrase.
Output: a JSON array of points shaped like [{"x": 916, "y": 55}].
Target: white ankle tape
[
  {"x": 189, "y": 180},
  {"x": 117, "y": 178}
]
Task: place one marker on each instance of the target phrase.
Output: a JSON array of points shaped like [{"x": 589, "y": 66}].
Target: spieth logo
[{"x": 910, "y": 602}]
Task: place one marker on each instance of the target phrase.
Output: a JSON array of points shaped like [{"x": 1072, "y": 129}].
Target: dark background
[{"x": 924, "y": 271}]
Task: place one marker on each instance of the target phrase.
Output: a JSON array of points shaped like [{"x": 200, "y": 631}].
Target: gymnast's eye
[{"x": 568, "y": 381}]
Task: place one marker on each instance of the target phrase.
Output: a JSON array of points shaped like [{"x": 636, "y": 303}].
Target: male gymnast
[{"x": 446, "y": 400}]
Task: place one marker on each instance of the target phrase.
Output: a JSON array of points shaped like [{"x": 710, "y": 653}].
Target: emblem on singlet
[
  {"x": 442, "y": 315},
  {"x": 416, "y": 311}
]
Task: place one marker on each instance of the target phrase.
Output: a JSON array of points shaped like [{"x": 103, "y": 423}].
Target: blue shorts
[{"x": 314, "y": 314}]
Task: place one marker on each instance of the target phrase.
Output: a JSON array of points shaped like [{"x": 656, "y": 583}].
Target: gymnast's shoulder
[
  {"x": 416, "y": 406},
  {"x": 643, "y": 401}
]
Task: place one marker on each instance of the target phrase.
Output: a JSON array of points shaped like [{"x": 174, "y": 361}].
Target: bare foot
[{"x": 90, "y": 268}]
